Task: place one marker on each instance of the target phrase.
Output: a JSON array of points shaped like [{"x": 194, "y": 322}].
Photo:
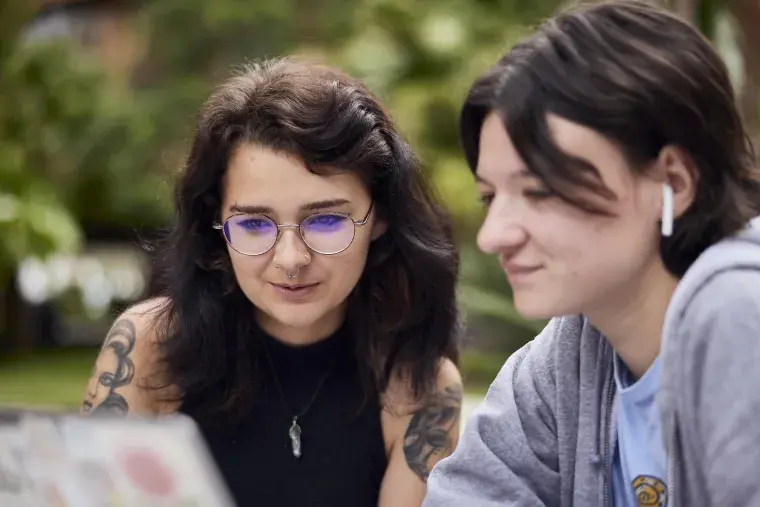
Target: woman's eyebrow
[
  {"x": 250, "y": 209},
  {"x": 310, "y": 206},
  {"x": 329, "y": 203}
]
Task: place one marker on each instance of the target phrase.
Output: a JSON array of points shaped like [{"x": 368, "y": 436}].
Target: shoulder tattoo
[
  {"x": 113, "y": 369},
  {"x": 428, "y": 437}
]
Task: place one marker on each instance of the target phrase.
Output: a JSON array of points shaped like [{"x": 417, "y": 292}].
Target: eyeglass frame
[{"x": 280, "y": 227}]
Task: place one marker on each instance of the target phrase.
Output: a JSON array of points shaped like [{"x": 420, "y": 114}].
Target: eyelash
[
  {"x": 535, "y": 195},
  {"x": 538, "y": 194}
]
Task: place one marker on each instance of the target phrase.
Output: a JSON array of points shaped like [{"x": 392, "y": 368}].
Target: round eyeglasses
[{"x": 324, "y": 233}]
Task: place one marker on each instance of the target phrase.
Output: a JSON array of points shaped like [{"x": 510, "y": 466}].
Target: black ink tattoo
[
  {"x": 120, "y": 342},
  {"x": 428, "y": 436}
]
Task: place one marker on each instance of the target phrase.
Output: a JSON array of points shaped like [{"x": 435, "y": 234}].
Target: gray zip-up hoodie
[{"x": 544, "y": 434}]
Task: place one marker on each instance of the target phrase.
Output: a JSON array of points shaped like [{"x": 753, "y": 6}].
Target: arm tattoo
[
  {"x": 428, "y": 437},
  {"x": 114, "y": 369}
]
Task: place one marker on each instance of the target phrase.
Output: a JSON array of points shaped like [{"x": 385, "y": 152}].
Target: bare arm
[
  {"x": 123, "y": 368},
  {"x": 425, "y": 434}
]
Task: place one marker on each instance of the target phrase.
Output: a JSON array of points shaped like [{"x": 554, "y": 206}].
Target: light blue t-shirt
[{"x": 639, "y": 467}]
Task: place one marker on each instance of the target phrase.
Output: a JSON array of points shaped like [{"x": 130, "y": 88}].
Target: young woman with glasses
[{"x": 309, "y": 322}]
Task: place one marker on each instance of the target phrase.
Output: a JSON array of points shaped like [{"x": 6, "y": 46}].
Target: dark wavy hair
[
  {"x": 644, "y": 79},
  {"x": 403, "y": 311}
]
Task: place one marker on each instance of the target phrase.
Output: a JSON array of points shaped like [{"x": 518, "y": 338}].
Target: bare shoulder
[
  {"x": 449, "y": 378},
  {"x": 399, "y": 397},
  {"x": 425, "y": 430},
  {"x": 126, "y": 370}
]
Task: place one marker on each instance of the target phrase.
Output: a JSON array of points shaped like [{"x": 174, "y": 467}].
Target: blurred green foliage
[
  {"x": 74, "y": 149},
  {"x": 33, "y": 125}
]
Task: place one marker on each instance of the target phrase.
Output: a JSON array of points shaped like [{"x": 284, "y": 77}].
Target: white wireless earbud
[{"x": 667, "y": 210}]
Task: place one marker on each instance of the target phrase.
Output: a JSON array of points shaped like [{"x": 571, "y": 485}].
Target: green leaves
[
  {"x": 34, "y": 223},
  {"x": 72, "y": 150},
  {"x": 44, "y": 107}
]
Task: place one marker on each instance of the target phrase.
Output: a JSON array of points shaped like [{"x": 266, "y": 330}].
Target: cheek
[
  {"x": 598, "y": 250},
  {"x": 347, "y": 267},
  {"x": 248, "y": 268},
  {"x": 561, "y": 236}
]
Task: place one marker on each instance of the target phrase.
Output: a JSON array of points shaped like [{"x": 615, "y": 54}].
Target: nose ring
[{"x": 290, "y": 277}]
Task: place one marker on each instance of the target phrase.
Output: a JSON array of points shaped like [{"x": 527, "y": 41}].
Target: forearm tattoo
[
  {"x": 428, "y": 437},
  {"x": 113, "y": 369}
]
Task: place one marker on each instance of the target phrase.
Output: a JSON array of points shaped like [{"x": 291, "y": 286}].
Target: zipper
[
  {"x": 607, "y": 425},
  {"x": 671, "y": 486}
]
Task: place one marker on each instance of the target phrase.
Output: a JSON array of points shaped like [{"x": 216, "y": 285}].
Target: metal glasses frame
[{"x": 280, "y": 227}]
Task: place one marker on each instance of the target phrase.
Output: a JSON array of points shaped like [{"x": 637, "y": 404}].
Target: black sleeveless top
[{"x": 343, "y": 458}]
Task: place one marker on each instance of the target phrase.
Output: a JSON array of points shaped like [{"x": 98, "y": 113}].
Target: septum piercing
[{"x": 290, "y": 277}]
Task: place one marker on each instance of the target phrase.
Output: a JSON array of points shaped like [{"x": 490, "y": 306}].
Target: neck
[
  {"x": 300, "y": 336},
  {"x": 632, "y": 320}
]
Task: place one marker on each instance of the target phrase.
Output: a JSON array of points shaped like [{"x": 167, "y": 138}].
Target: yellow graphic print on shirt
[{"x": 650, "y": 491}]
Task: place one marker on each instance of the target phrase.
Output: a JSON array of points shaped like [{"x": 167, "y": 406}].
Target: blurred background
[{"x": 97, "y": 105}]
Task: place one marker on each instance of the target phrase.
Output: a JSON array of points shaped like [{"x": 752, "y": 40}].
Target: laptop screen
[{"x": 68, "y": 461}]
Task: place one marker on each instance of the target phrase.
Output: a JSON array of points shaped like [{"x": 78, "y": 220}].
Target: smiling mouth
[
  {"x": 295, "y": 287},
  {"x": 521, "y": 270}
]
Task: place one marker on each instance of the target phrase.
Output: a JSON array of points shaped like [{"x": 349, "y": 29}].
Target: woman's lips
[{"x": 295, "y": 292}]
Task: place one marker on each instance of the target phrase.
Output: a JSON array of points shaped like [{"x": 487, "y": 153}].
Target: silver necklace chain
[{"x": 294, "y": 431}]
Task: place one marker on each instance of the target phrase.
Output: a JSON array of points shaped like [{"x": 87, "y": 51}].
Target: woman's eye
[
  {"x": 326, "y": 219},
  {"x": 254, "y": 224},
  {"x": 538, "y": 194},
  {"x": 486, "y": 199}
]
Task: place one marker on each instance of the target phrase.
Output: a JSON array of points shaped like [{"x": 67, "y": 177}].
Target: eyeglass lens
[{"x": 326, "y": 233}]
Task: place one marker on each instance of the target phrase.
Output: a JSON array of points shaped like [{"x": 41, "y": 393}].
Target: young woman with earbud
[
  {"x": 620, "y": 190},
  {"x": 309, "y": 322}
]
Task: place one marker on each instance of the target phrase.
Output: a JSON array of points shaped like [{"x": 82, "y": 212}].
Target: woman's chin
[
  {"x": 537, "y": 308},
  {"x": 312, "y": 318}
]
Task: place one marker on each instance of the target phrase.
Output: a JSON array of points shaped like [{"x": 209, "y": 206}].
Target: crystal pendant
[{"x": 295, "y": 437}]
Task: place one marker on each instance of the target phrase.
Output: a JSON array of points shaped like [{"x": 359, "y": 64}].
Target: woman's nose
[
  {"x": 291, "y": 252},
  {"x": 501, "y": 231}
]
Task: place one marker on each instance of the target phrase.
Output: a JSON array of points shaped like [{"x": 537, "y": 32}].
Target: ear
[
  {"x": 677, "y": 168},
  {"x": 379, "y": 227}
]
